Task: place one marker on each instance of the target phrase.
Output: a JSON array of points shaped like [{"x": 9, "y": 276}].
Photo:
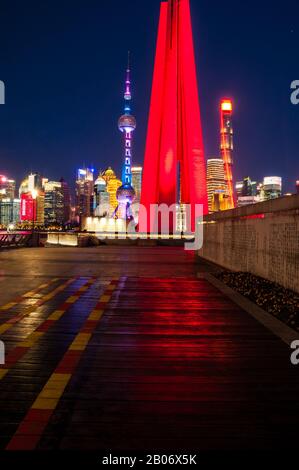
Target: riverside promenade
[{"x": 133, "y": 348}]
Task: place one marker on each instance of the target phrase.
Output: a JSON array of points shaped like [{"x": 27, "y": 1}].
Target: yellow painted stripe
[
  {"x": 49, "y": 397},
  {"x": 105, "y": 298},
  {"x": 4, "y": 328},
  {"x": 52, "y": 392},
  {"x": 31, "y": 340},
  {"x": 56, "y": 315},
  {"x": 80, "y": 342},
  {"x": 8, "y": 306},
  {"x": 72, "y": 299},
  {"x": 31, "y": 293},
  {"x": 40, "y": 302},
  {"x": 95, "y": 315},
  {"x": 83, "y": 289},
  {"x": 57, "y": 381},
  {"x": 45, "y": 404}
]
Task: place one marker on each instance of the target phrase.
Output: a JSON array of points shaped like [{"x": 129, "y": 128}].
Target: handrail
[{"x": 14, "y": 240}]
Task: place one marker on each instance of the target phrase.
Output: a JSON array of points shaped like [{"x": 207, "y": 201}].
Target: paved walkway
[{"x": 125, "y": 349}]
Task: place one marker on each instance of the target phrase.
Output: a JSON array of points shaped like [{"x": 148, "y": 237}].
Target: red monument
[{"x": 174, "y": 166}]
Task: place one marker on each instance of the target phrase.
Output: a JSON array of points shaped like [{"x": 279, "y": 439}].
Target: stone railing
[{"x": 262, "y": 239}]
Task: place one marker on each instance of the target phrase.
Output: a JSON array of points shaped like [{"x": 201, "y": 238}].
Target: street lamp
[{"x": 34, "y": 195}]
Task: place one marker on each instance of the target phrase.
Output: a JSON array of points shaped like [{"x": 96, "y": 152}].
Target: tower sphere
[
  {"x": 126, "y": 194},
  {"x": 127, "y": 123}
]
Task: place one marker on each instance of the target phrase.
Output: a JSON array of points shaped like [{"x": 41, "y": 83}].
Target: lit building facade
[
  {"x": 220, "y": 201},
  {"x": 101, "y": 198},
  {"x": 137, "y": 182},
  {"x": 227, "y": 147},
  {"x": 84, "y": 192},
  {"x": 272, "y": 187},
  {"x": 66, "y": 200},
  {"x": 54, "y": 203},
  {"x": 7, "y": 188},
  {"x": 32, "y": 197},
  {"x": 247, "y": 192},
  {"x": 32, "y": 209},
  {"x": 215, "y": 180},
  {"x": 9, "y": 211}
]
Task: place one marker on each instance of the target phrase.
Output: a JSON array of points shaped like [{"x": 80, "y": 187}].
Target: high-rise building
[
  {"x": 137, "y": 181},
  {"x": 32, "y": 196},
  {"x": 272, "y": 187},
  {"x": 215, "y": 179},
  {"x": 247, "y": 192},
  {"x": 35, "y": 182},
  {"x": 127, "y": 125},
  {"x": 101, "y": 198},
  {"x": 84, "y": 192},
  {"x": 66, "y": 200},
  {"x": 54, "y": 203},
  {"x": 33, "y": 208},
  {"x": 7, "y": 188},
  {"x": 174, "y": 164},
  {"x": 9, "y": 211},
  {"x": 239, "y": 189},
  {"x": 227, "y": 147},
  {"x": 220, "y": 201},
  {"x": 249, "y": 187}
]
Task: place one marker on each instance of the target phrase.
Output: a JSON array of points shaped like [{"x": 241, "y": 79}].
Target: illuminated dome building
[
  {"x": 112, "y": 185},
  {"x": 127, "y": 125},
  {"x": 108, "y": 174}
]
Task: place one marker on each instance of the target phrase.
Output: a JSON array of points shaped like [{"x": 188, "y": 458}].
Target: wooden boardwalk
[{"x": 142, "y": 363}]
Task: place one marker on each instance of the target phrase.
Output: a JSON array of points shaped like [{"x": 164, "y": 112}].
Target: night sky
[{"x": 63, "y": 63}]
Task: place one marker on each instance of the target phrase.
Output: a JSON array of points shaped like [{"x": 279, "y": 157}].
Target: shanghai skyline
[
  {"x": 149, "y": 232},
  {"x": 64, "y": 87}
]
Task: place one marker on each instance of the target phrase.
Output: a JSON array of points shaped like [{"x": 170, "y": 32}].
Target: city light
[{"x": 226, "y": 105}]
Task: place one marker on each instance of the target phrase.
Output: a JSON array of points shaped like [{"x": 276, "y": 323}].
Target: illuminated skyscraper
[
  {"x": 35, "y": 182},
  {"x": 84, "y": 192},
  {"x": 32, "y": 196},
  {"x": 7, "y": 187},
  {"x": 66, "y": 200},
  {"x": 227, "y": 147},
  {"x": 127, "y": 125},
  {"x": 54, "y": 203},
  {"x": 215, "y": 179},
  {"x": 137, "y": 181},
  {"x": 174, "y": 165},
  {"x": 272, "y": 187},
  {"x": 9, "y": 211},
  {"x": 101, "y": 198}
]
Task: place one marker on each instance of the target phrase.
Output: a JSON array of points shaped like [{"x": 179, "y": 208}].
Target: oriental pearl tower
[{"x": 126, "y": 124}]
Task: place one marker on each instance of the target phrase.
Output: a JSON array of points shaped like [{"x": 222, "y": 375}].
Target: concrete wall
[{"x": 262, "y": 239}]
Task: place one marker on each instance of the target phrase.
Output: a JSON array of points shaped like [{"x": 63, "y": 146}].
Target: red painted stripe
[{"x": 69, "y": 362}]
